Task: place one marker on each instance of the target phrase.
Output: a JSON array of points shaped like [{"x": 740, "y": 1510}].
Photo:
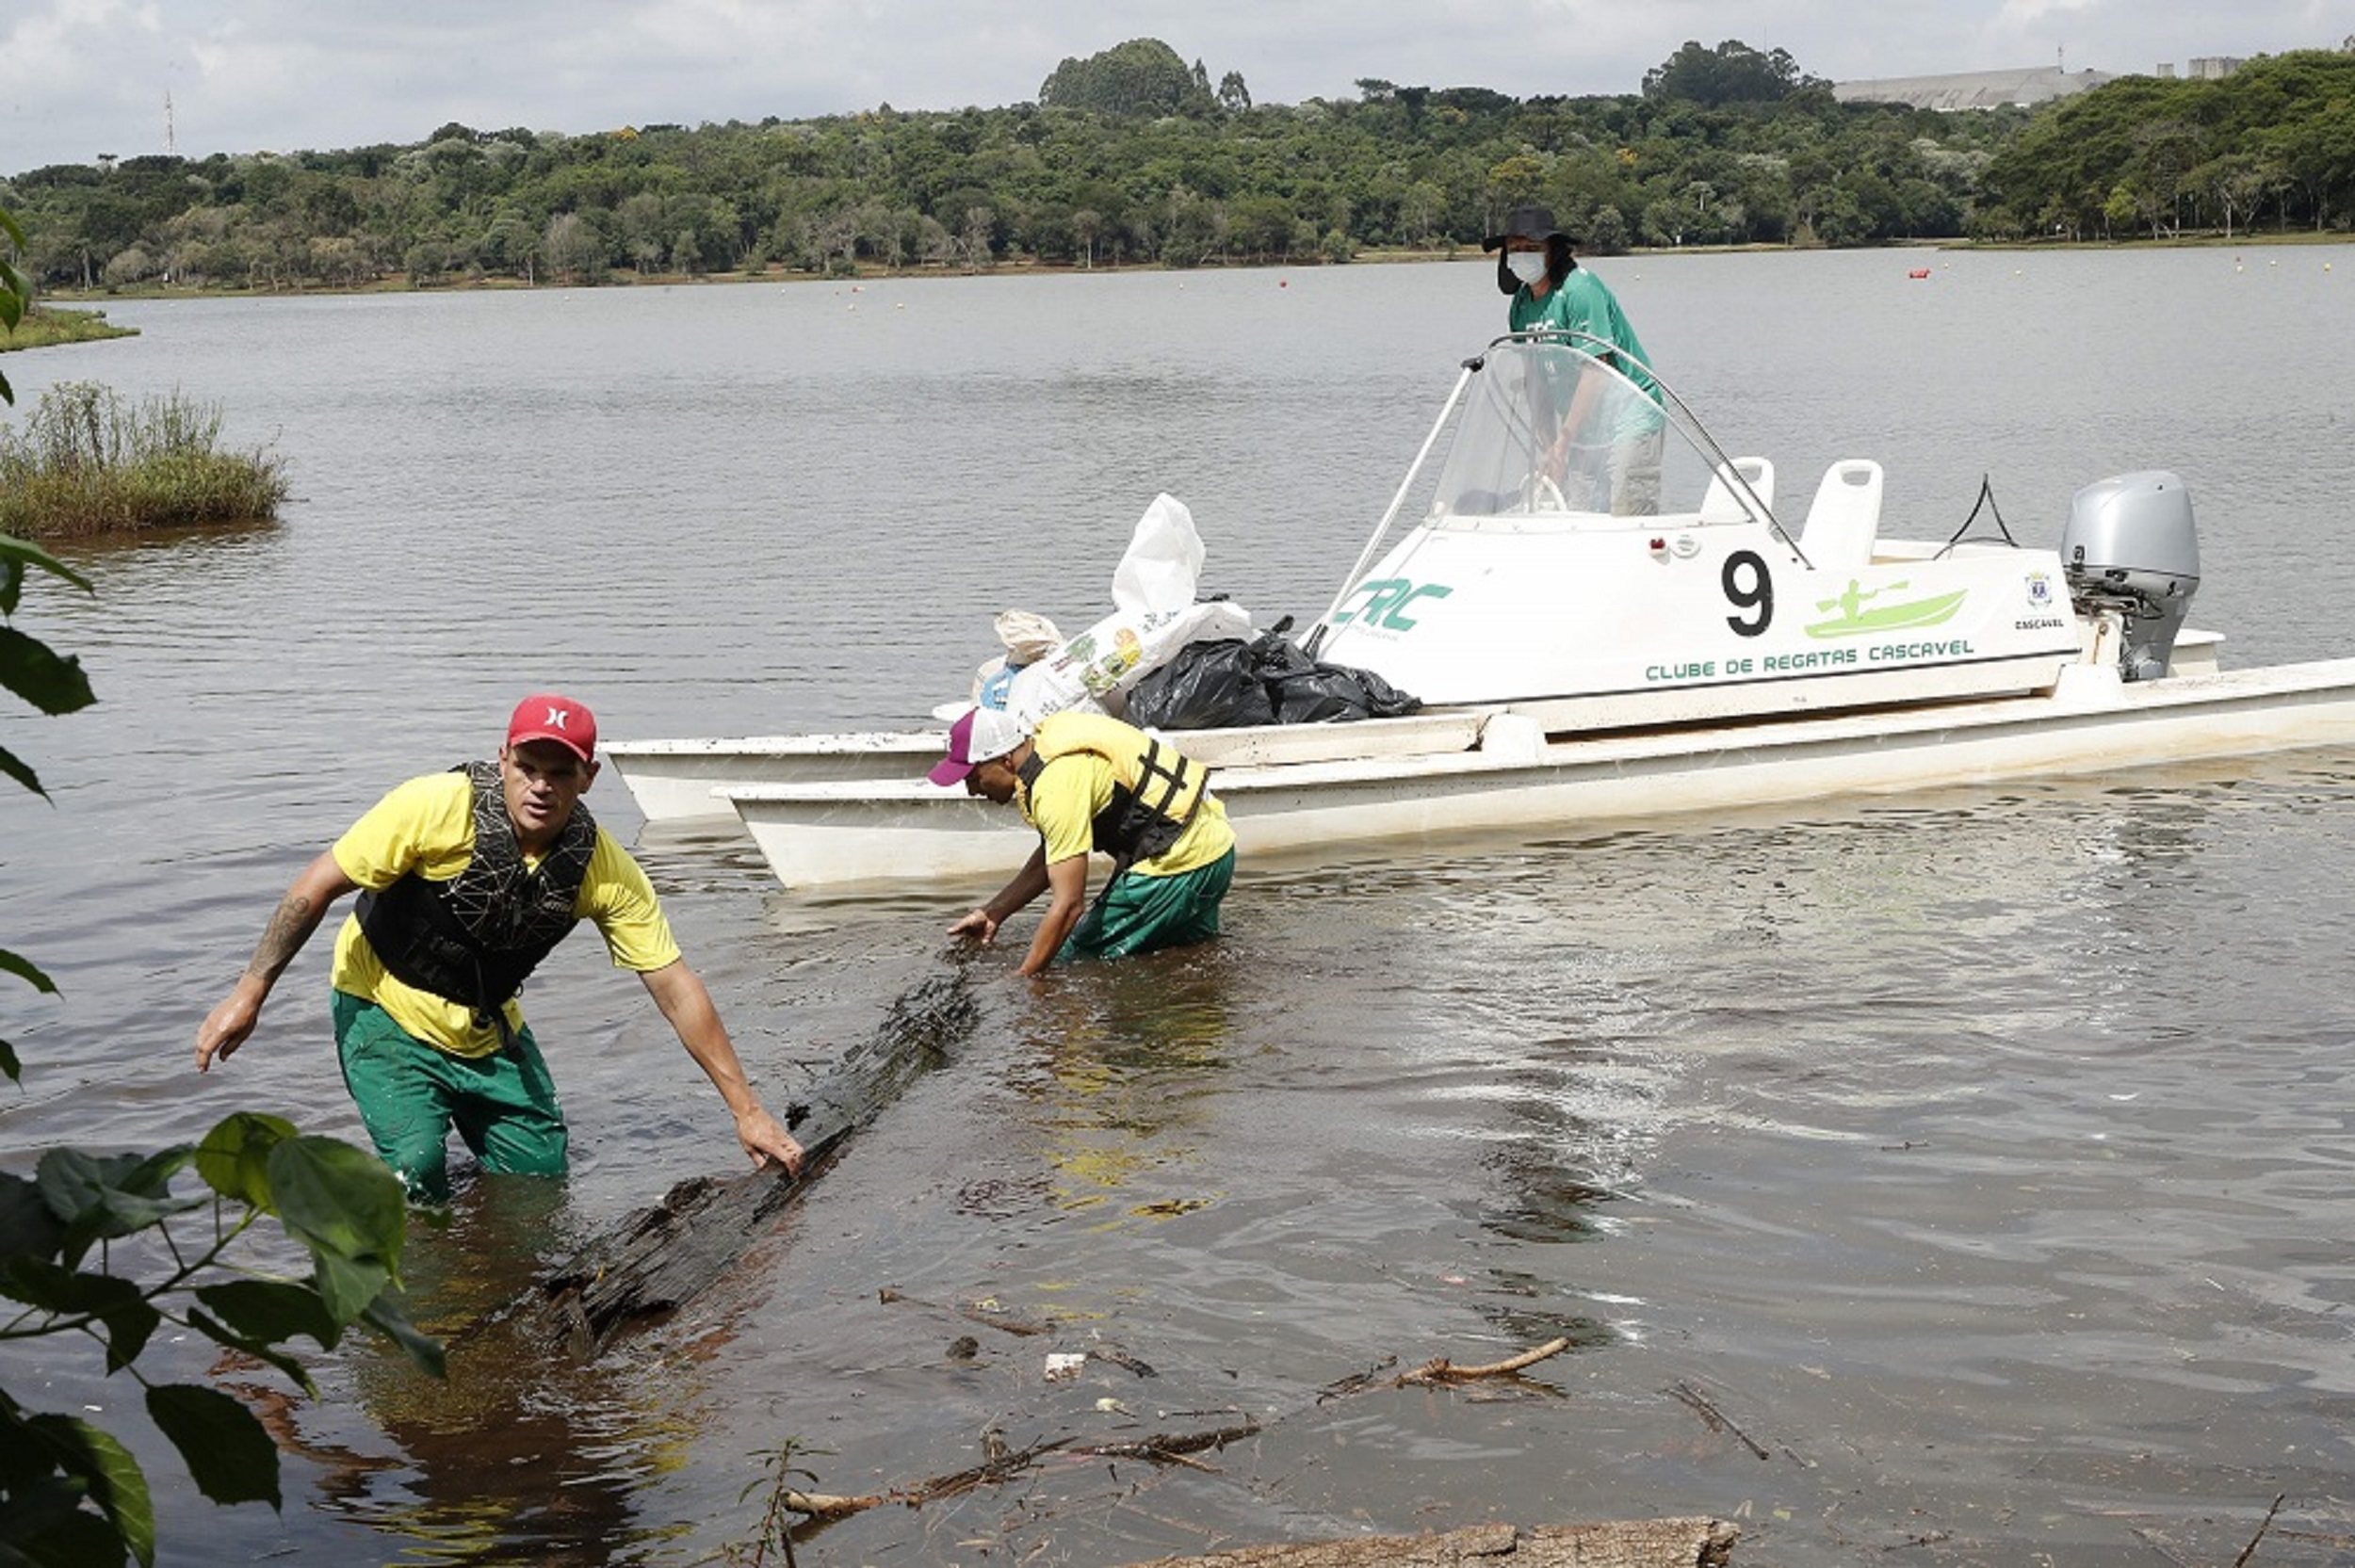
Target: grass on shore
[
  {"x": 45, "y": 326},
  {"x": 87, "y": 462}
]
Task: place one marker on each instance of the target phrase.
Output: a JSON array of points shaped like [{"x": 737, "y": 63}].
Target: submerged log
[
  {"x": 661, "y": 1258},
  {"x": 1629, "y": 1544}
]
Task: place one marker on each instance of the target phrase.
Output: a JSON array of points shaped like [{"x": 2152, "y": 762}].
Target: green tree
[
  {"x": 1143, "y": 76},
  {"x": 1734, "y": 72},
  {"x": 15, "y": 295},
  {"x": 1116, "y": 133},
  {"x": 573, "y": 247}
]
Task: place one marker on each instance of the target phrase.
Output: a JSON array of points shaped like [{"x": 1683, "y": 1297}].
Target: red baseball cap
[{"x": 545, "y": 715}]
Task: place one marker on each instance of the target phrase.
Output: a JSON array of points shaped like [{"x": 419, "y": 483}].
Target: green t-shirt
[{"x": 1582, "y": 305}]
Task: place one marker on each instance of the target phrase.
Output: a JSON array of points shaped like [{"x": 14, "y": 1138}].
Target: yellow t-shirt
[
  {"x": 1078, "y": 784},
  {"x": 427, "y": 826}
]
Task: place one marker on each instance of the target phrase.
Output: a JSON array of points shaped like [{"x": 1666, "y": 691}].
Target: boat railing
[{"x": 1517, "y": 435}]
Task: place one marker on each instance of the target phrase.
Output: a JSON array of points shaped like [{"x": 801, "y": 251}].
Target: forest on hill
[{"x": 1132, "y": 157}]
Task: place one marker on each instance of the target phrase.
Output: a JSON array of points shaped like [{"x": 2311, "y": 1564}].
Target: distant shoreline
[{"x": 84, "y": 300}]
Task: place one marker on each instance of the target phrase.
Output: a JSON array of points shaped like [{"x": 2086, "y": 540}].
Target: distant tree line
[
  {"x": 1133, "y": 156},
  {"x": 2147, "y": 156}
]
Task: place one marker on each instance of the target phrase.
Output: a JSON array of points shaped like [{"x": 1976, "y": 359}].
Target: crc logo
[{"x": 1384, "y": 602}]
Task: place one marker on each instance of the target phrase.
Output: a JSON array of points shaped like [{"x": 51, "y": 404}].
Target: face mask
[{"x": 1528, "y": 266}]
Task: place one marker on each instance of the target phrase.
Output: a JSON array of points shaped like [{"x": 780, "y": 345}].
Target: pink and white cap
[{"x": 983, "y": 735}]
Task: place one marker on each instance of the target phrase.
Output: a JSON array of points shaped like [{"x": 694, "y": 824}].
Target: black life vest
[
  {"x": 474, "y": 938},
  {"x": 1155, "y": 790}
]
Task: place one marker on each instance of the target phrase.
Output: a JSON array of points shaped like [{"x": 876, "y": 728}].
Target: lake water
[{"x": 1983, "y": 1157}]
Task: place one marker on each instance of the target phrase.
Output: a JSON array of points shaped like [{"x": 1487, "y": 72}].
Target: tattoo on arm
[{"x": 290, "y": 925}]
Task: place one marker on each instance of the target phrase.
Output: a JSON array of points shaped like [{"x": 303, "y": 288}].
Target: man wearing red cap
[{"x": 467, "y": 879}]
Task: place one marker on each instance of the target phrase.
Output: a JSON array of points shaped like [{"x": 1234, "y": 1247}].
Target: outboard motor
[{"x": 2130, "y": 547}]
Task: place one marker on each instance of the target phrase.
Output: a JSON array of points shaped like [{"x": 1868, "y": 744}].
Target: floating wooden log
[
  {"x": 658, "y": 1259},
  {"x": 1626, "y": 1543}
]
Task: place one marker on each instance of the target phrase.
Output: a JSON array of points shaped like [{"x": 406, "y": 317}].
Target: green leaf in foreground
[
  {"x": 347, "y": 1285},
  {"x": 260, "y": 1350},
  {"x": 271, "y": 1311},
  {"x": 339, "y": 1198},
  {"x": 105, "y": 1467},
  {"x": 20, "y": 771},
  {"x": 348, "y": 1209},
  {"x": 386, "y": 1317},
  {"x": 51, "y": 682},
  {"x": 15, "y": 556},
  {"x": 27, "y": 970},
  {"x": 229, "y": 1455},
  {"x": 233, "y": 1159},
  {"x": 101, "y": 1197},
  {"x": 28, "y": 1227}
]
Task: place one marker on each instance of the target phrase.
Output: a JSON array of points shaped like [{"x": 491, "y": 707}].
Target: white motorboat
[{"x": 1581, "y": 666}]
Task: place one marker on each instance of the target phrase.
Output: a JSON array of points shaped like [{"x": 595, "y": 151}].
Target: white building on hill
[{"x": 1973, "y": 89}]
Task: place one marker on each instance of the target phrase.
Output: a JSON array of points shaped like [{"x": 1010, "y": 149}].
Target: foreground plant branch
[{"x": 71, "y": 1492}]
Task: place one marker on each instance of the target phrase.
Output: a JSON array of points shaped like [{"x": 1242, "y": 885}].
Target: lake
[{"x": 1981, "y": 1159}]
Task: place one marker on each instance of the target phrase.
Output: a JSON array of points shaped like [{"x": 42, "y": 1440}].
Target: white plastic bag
[
  {"x": 1164, "y": 561},
  {"x": 1092, "y": 672}
]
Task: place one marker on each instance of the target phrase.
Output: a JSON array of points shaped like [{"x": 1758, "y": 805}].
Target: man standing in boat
[
  {"x": 471, "y": 878},
  {"x": 1088, "y": 782},
  {"x": 1552, "y": 293}
]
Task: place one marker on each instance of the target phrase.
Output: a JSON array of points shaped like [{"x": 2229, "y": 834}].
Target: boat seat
[
  {"x": 1838, "y": 535},
  {"x": 1723, "y": 504}
]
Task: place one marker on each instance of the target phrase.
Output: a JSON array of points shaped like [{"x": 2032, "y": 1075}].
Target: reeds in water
[
  {"x": 87, "y": 461},
  {"x": 45, "y": 326}
]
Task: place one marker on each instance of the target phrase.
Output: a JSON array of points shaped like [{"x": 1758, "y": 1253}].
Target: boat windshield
[{"x": 1548, "y": 429}]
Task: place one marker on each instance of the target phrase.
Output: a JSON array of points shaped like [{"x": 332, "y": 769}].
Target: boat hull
[
  {"x": 849, "y": 832},
  {"x": 684, "y": 781},
  {"x": 673, "y": 780}
]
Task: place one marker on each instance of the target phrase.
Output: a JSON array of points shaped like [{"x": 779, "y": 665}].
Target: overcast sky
[{"x": 79, "y": 78}]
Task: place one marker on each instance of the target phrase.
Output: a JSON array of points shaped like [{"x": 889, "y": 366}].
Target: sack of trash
[
  {"x": 1267, "y": 680},
  {"x": 1102, "y": 663},
  {"x": 1028, "y": 638},
  {"x": 1208, "y": 685},
  {"x": 1309, "y": 691},
  {"x": 1156, "y": 614}
]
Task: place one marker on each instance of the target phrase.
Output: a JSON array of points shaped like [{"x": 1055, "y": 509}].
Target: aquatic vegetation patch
[
  {"x": 89, "y": 462},
  {"x": 45, "y": 326}
]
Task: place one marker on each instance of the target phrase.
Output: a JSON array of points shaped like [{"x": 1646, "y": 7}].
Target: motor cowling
[{"x": 2131, "y": 548}]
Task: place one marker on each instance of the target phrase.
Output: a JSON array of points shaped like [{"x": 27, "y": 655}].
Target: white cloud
[{"x": 78, "y": 77}]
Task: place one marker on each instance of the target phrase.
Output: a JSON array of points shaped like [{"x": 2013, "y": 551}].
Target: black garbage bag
[
  {"x": 1304, "y": 690},
  {"x": 1219, "y": 685},
  {"x": 1205, "y": 686}
]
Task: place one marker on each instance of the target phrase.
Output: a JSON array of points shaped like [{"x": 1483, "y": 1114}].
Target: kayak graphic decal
[{"x": 1861, "y": 617}]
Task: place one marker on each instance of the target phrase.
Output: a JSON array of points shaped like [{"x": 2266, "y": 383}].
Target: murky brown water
[{"x": 1983, "y": 1159}]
